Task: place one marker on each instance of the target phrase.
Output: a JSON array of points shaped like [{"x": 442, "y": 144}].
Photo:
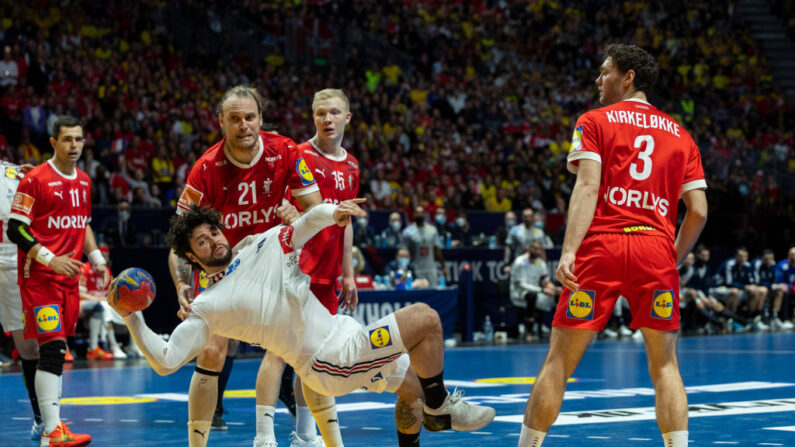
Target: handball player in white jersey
[{"x": 264, "y": 299}]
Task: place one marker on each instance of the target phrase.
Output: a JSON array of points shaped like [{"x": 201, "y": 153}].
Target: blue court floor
[{"x": 741, "y": 390}]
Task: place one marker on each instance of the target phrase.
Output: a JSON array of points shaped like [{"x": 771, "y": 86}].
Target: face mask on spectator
[
  {"x": 396, "y": 225},
  {"x": 460, "y": 221},
  {"x": 440, "y": 219},
  {"x": 124, "y": 216},
  {"x": 540, "y": 224},
  {"x": 510, "y": 223},
  {"x": 403, "y": 262},
  {"x": 362, "y": 221}
]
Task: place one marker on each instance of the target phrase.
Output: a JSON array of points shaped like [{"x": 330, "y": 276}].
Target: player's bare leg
[
  {"x": 566, "y": 348},
  {"x": 203, "y": 394},
  {"x": 421, "y": 332},
  {"x": 669, "y": 391},
  {"x": 269, "y": 378},
  {"x": 408, "y": 410},
  {"x": 305, "y": 419}
]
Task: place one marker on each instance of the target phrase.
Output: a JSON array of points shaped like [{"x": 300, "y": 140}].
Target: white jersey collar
[
  {"x": 68, "y": 177},
  {"x": 636, "y": 100},
  {"x": 330, "y": 157},
  {"x": 232, "y": 160}
]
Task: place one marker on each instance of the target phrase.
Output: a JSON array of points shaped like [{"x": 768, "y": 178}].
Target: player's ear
[
  {"x": 192, "y": 258},
  {"x": 629, "y": 78},
  {"x": 348, "y": 118},
  {"x": 52, "y": 142}
]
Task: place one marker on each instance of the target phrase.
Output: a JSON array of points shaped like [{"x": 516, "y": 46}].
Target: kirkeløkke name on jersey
[
  {"x": 64, "y": 222},
  {"x": 643, "y": 120}
]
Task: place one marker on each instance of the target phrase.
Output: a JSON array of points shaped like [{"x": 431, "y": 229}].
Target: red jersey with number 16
[
  {"x": 247, "y": 195},
  {"x": 648, "y": 160},
  {"x": 338, "y": 179},
  {"x": 57, "y": 207}
]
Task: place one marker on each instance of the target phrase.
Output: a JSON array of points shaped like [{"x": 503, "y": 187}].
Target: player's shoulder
[
  {"x": 351, "y": 160},
  {"x": 213, "y": 154},
  {"x": 271, "y": 141}
]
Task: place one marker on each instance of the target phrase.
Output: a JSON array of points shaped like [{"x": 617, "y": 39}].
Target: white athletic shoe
[
  {"x": 296, "y": 441},
  {"x": 118, "y": 353},
  {"x": 638, "y": 335},
  {"x": 260, "y": 441},
  {"x": 609, "y": 333},
  {"x": 624, "y": 331},
  {"x": 35, "y": 431},
  {"x": 457, "y": 415},
  {"x": 786, "y": 325}
]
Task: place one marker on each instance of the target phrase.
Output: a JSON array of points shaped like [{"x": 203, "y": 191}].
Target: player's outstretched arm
[
  {"x": 694, "y": 221},
  {"x": 180, "y": 274},
  {"x": 322, "y": 216},
  {"x": 581, "y": 209},
  {"x": 184, "y": 344}
]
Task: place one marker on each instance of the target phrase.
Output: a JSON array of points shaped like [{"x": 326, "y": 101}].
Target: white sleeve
[
  {"x": 316, "y": 219},
  {"x": 185, "y": 342}
]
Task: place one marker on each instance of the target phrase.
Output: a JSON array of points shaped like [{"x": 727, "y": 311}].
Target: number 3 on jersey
[{"x": 644, "y": 156}]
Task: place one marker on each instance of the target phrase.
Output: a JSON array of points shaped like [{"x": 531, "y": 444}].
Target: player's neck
[
  {"x": 634, "y": 94},
  {"x": 331, "y": 147},
  {"x": 244, "y": 157},
  {"x": 65, "y": 167},
  {"x": 213, "y": 270}
]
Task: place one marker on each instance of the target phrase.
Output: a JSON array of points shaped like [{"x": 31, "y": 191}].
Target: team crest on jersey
[
  {"x": 380, "y": 337},
  {"x": 267, "y": 185},
  {"x": 576, "y": 139},
  {"x": 581, "y": 305},
  {"x": 22, "y": 203},
  {"x": 304, "y": 172},
  {"x": 662, "y": 307},
  {"x": 11, "y": 173},
  {"x": 48, "y": 318},
  {"x": 286, "y": 239}
]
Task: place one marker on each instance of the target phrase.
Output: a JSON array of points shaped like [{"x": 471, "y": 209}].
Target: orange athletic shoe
[
  {"x": 61, "y": 436},
  {"x": 98, "y": 354},
  {"x": 68, "y": 357}
]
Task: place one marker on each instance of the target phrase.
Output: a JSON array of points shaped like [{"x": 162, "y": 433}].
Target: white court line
[
  {"x": 558, "y": 436},
  {"x": 20, "y": 419},
  {"x": 371, "y": 428},
  {"x": 163, "y": 421},
  {"x": 93, "y": 420},
  {"x": 128, "y": 420},
  {"x": 640, "y": 439},
  {"x": 481, "y": 432},
  {"x": 235, "y": 423},
  {"x": 598, "y": 437},
  {"x": 726, "y": 442},
  {"x": 769, "y": 443},
  {"x": 786, "y": 428}
]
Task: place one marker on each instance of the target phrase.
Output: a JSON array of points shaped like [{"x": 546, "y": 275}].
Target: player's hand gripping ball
[{"x": 132, "y": 290}]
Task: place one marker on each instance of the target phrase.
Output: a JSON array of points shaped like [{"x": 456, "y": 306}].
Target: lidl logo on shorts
[
  {"x": 304, "y": 172},
  {"x": 581, "y": 305},
  {"x": 24, "y": 320},
  {"x": 48, "y": 319},
  {"x": 576, "y": 139},
  {"x": 380, "y": 337},
  {"x": 662, "y": 307},
  {"x": 11, "y": 173}
]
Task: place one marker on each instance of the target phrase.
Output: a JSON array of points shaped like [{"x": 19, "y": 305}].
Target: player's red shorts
[
  {"x": 50, "y": 308},
  {"x": 640, "y": 268},
  {"x": 327, "y": 295}
]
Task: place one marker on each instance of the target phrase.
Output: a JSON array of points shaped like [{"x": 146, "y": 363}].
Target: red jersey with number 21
[
  {"x": 247, "y": 195},
  {"x": 648, "y": 160},
  {"x": 338, "y": 179},
  {"x": 57, "y": 208}
]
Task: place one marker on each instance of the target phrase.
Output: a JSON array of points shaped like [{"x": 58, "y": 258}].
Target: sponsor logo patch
[
  {"x": 576, "y": 139},
  {"x": 662, "y": 307},
  {"x": 581, "y": 304},
  {"x": 22, "y": 203},
  {"x": 304, "y": 172},
  {"x": 380, "y": 337},
  {"x": 190, "y": 196},
  {"x": 48, "y": 318},
  {"x": 11, "y": 173}
]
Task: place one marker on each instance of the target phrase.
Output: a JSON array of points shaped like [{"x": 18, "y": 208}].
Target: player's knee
[
  {"x": 51, "y": 357},
  {"x": 429, "y": 317},
  {"x": 212, "y": 357}
]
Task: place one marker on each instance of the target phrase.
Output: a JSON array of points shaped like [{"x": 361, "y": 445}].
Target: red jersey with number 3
[
  {"x": 247, "y": 195},
  {"x": 647, "y": 159},
  {"x": 338, "y": 179},
  {"x": 57, "y": 207}
]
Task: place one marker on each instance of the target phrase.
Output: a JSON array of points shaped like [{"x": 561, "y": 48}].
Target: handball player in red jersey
[{"x": 633, "y": 164}]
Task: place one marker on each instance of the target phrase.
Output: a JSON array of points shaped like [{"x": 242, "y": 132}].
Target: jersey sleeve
[
  {"x": 193, "y": 194},
  {"x": 185, "y": 342},
  {"x": 23, "y": 206},
  {"x": 300, "y": 168},
  {"x": 584, "y": 143},
  {"x": 694, "y": 172}
]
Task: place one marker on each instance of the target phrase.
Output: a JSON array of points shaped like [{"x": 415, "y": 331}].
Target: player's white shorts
[
  {"x": 10, "y": 301},
  {"x": 356, "y": 357},
  {"x": 722, "y": 294}
]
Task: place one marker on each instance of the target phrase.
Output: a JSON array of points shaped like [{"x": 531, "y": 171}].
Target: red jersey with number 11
[
  {"x": 648, "y": 160},
  {"x": 338, "y": 179}
]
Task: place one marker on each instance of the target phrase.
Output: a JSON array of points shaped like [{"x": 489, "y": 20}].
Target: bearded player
[
  {"x": 633, "y": 163},
  {"x": 245, "y": 177}
]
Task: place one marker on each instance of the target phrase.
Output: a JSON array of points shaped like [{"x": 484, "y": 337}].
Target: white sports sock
[
  {"x": 530, "y": 437},
  {"x": 198, "y": 433},
  {"x": 675, "y": 438},
  {"x": 202, "y": 397},
  {"x": 304, "y": 423},
  {"x": 265, "y": 421},
  {"x": 48, "y": 387},
  {"x": 329, "y": 426},
  {"x": 94, "y": 327}
]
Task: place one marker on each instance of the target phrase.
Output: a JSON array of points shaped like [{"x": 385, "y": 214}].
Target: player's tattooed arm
[
  {"x": 180, "y": 274},
  {"x": 405, "y": 419}
]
